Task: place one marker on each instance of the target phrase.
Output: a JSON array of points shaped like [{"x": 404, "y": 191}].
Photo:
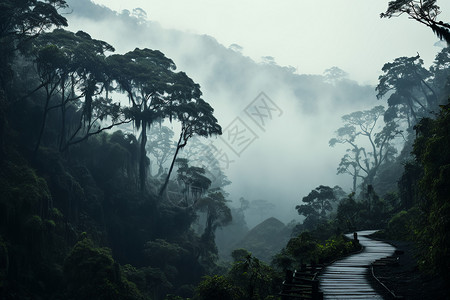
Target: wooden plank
[{"x": 346, "y": 278}]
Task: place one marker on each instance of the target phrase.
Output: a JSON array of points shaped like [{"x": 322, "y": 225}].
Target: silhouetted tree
[
  {"x": 252, "y": 277},
  {"x": 72, "y": 66},
  {"x": 425, "y": 12},
  {"x": 145, "y": 76},
  {"x": 49, "y": 62},
  {"x": 207, "y": 156},
  {"x": 218, "y": 214},
  {"x": 196, "y": 117},
  {"x": 21, "y": 21},
  {"x": 441, "y": 75},
  {"x": 334, "y": 74},
  {"x": 412, "y": 96},
  {"x": 432, "y": 152},
  {"x": 194, "y": 180},
  {"x": 156, "y": 92},
  {"x": 359, "y": 162},
  {"x": 160, "y": 146},
  {"x": 318, "y": 203}
]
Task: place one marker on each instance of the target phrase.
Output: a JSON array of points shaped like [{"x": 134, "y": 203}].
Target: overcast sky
[
  {"x": 308, "y": 35},
  {"x": 291, "y": 156}
]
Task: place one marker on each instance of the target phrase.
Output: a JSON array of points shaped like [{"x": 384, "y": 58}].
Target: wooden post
[
  {"x": 287, "y": 281},
  {"x": 316, "y": 294},
  {"x": 289, "y": 276}
]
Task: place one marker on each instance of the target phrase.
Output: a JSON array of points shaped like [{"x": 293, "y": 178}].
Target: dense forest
[{"x": 101, "y": 199}]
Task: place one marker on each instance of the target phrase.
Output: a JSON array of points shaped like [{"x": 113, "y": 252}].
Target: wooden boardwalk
[{"x": 346, "y": 278}]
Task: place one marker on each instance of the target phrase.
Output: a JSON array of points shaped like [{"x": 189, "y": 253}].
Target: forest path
[{"x": 346, "y": 278}]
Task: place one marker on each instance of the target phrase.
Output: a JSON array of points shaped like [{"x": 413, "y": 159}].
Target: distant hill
[
  {"x": 265, "y": 240},
  {"x": 223, "y": 72},
  {"x": 291, "y": 144}
]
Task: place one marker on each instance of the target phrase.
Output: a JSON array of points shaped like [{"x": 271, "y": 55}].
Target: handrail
[
  {"x": 384, "y": 286},
  {"x": 307, "y": 285},
  {"x": 353, "y": 283}
]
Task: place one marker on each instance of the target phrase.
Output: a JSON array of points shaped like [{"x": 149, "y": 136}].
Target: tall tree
[
  {"x": 147, "y": 77},
  {"x": 194, "y": 180},
  {"x": 411, "y": 95},
  {"x": 160, "y": 146},
  {"x": 49, "y": 62},
  {"x": 441, "y": 75},
  {"x": 195, "y": 114},
  {"x": 364, "y": 163},
  {"x": 209, "y": 157},
  {"x": 20, "y": 21},
  {"x": 218, "y": 214},
  {"x": 318, "y": 203},
  {"x": 72, "y": 66},
  {"x": 156, "y": 92}
]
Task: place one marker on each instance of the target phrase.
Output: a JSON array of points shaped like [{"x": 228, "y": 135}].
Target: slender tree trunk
[
  {"x": 150, "y": 168},
  {"x": 166, "y": 182},
  {"x": 433, "y": 101},
  {"x": 143, "y": 156},
  {"x": 41, "y": 130},
  {"x": 408, "y": 120},
  {"x": 63, "y": 119},
  {"x": 413, "y": 113},
  {"x": 209, "y": 232},
  {"x": 2, "y": 127},
  {"x": 374, "y": 149}
]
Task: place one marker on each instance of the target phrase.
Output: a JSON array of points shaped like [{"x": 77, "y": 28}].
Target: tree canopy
[
  {"x": 359, "y": 162},
  {"x": 318, "y": 203},
  {"x": 423, "y": 11}
]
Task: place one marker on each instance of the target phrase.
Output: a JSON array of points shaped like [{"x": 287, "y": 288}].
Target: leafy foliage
[
  {"x": 92, "y": 272},
  {"x": 305, "y": 249},
  {"x": 20, "y": 21},
  {"x": 359, "y": 162},
  {"x": 253, "y": 277},
  {"x": 161, "y": 252},
  {"x": 318, "y": 203},
  {"x": 248, "y": 278},
  {"x": 216, "y": 287},
  {"x": 48, "y": 200},
  {"x": 72, "y": 66},
  {"x": 193, "y": 179},
  {"x": 160, "y": 146},
  {"x": 218, "y": 214},
  {"x": 67, "y": 98},
  {"x": 425, "y": 12},
  {"x": 412, "y": 96},
  {"x": 402, "y": 225},
  {"x": 431, "y": 149},
  {"x": 156, "y": 92}
]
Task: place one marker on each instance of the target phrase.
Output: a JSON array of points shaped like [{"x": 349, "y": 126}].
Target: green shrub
[
  {"x": 305, "y": 249},
  {"x": 335, "y": 248},
  {"x": 401, "y": 226},
  {"x": 91, "y": 273},
  {"x": 217, "y": 287}
]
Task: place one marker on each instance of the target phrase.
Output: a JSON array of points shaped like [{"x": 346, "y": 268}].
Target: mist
[
  {"x": 191, "y": 150},
  {"x": 290, "y": 155}
]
